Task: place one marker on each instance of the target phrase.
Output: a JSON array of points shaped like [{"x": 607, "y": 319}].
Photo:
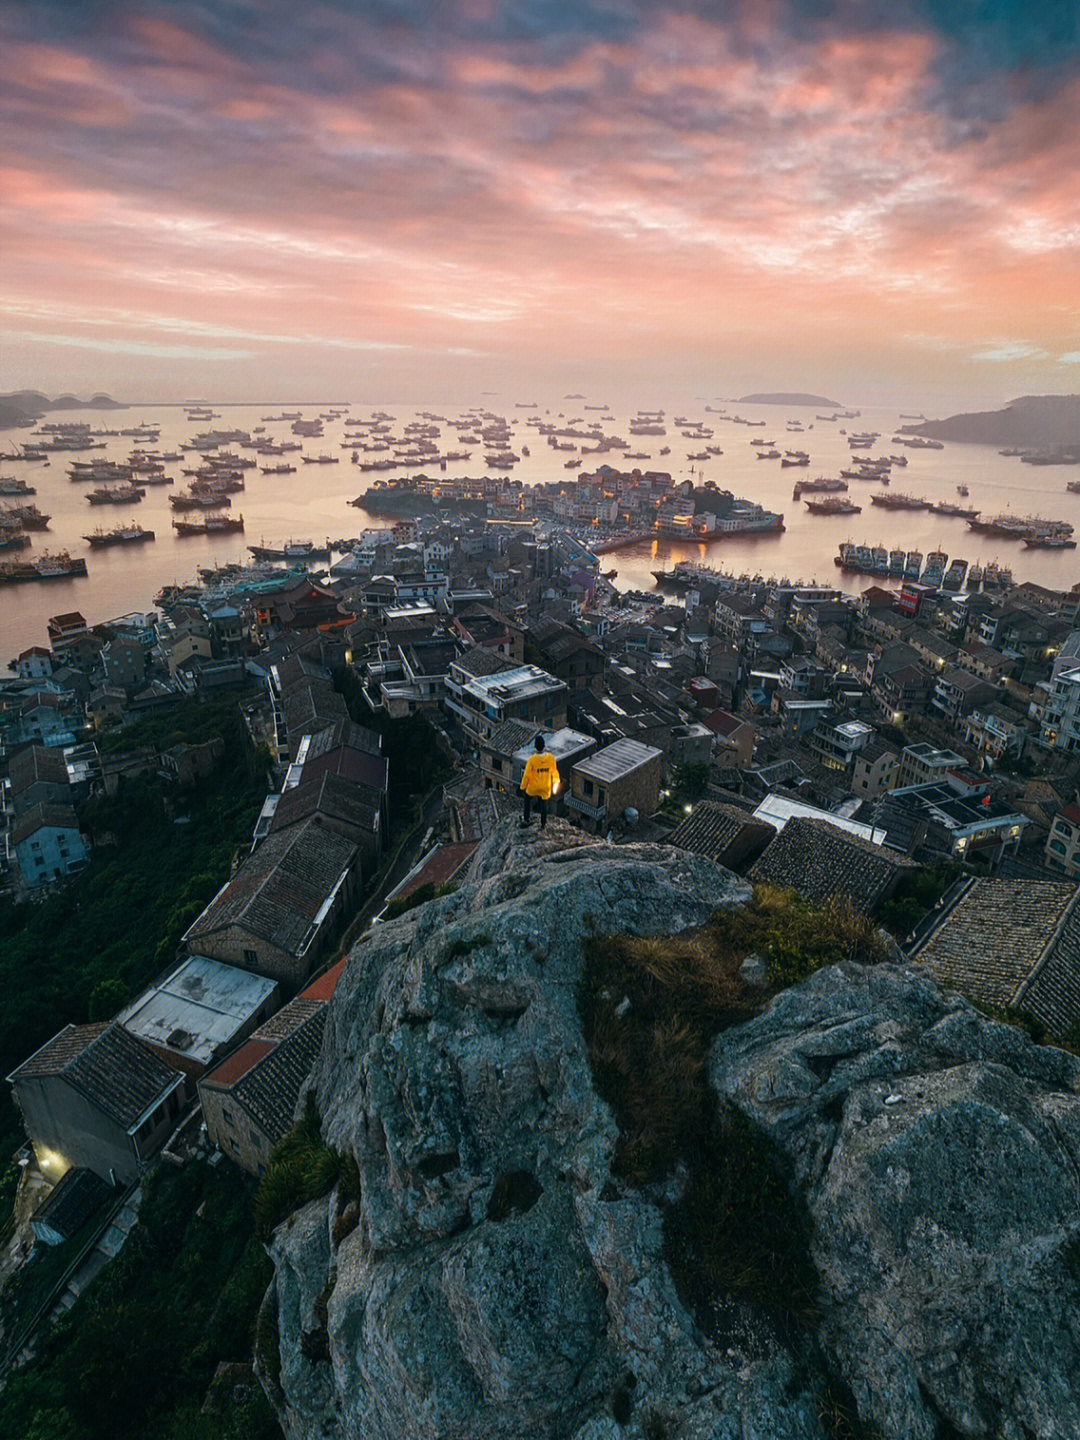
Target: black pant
[{"x": 541, "y": 806}]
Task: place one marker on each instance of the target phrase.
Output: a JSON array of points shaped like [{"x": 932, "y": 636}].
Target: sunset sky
[{"x": 411, "y": 202}]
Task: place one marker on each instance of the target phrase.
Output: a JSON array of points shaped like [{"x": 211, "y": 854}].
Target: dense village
[{"x": 914, "y": 751}]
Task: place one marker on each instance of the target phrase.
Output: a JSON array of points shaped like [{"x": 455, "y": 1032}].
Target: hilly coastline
[
  {"x": 23, "y": 407},
  {"x": 1031, "y": 421}
]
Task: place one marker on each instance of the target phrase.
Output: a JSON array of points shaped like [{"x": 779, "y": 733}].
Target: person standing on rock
[{"x": 540, "y": 782}]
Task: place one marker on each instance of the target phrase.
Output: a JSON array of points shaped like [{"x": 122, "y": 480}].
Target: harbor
[{"x": 197, "y": 469}]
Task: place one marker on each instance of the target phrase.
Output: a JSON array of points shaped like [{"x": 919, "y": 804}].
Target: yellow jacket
[{"x": 541, "y": 778}]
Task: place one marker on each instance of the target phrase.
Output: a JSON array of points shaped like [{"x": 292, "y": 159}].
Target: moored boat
[{"x": 121, "y": 535}]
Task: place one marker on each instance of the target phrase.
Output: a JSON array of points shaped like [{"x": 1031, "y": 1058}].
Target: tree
[{"x": 106, "y": 998}]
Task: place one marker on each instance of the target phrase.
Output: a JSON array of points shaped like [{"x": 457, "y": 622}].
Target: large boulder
[
  {"x": 939, "y": 1155},
  {"x": 492, "y": 1281},
  {"x": 495, "y": 1280}
]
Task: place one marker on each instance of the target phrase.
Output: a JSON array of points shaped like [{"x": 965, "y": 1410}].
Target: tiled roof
[
  {"x": 237, "y": 1064},
  {"x": 289, "y": 1018},
  {"x": 441, "y": 865},
  {"x": 479, "y": 662},
  {"x": 270, "y": 1090},
  {"x": 1012, "y": 943},
  {"x": 341, "y": 800},
  {"x": 311, "y": 705},
  {"x": 72, "y": 1202},
  {"x": 43, "y": 817},
  {"x": 117, "y": 1073},
  {"x": 323, "y": 986},
  {"x": 279, "y": 889},
  {"x": 820, "y": 861},
  {"x": 34, "y": 763},
  {"x": 61, "y": 1050},
  {"x": 511, "y": 735},
  {"x": 720, "y": 832}
]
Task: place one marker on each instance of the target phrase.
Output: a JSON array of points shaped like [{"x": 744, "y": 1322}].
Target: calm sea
[{"x": 312, "y": 503}]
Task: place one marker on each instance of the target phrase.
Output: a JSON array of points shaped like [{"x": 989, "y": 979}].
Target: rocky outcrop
[
  {"x": 939, "y": 1155},
  {"x": 494, "y": 1281}
]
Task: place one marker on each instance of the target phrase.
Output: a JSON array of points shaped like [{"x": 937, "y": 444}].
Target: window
[
  {"x": 235, "y": 1147},
  {"x": 226, "y": 1116},
  {"x": 587, "y": 788},
  {"x": 1058, "y": 845},
  {"x": 254, "y": 1137},
  {"x": 39, "y": 859},
  {"x": 250, "y": 959}
]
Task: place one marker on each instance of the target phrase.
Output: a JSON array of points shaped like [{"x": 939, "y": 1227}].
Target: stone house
[
  {"x": 249, "y": 1100},
  {"x": 97, "y": 1097},
  {"x": 622, "y": 776},
  {"x": 284, "y": 907},
  {"x": 875, "y": 769}
]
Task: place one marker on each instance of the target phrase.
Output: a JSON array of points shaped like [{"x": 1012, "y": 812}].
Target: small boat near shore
[{"x": 291, "y": 550}]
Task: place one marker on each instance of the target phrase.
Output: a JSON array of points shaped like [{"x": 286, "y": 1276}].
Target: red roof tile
[
  {"x": 238, "y": 1064},
  {"x": 322, "y": 987}
]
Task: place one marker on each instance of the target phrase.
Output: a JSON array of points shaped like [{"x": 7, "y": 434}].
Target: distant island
[
  {"x": 1032, "y": 421},
  {"x": 788, "y": 397},
  {"x": 23, "y": 407}
]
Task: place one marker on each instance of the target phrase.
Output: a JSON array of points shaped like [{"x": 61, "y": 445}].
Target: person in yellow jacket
[{"x": 540, "y": 782}]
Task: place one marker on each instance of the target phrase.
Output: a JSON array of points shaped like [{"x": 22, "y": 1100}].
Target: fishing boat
[
  {"x": 211, "y": 525},
  {"x": 121, "y": 535},
  {"x": 291, "y": 550},
  {"x": 47, "y": 567},
  {"x": 121, "y": 495},
  {"x": 833, "y": 505},
  {"x": 29, "y": 517}
]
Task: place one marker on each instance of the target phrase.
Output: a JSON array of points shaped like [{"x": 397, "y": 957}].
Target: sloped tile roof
[
  {"x": 720, "y": 832},
  {"x": 42, "y": 817},
  {"x": 511, "y": 735},
  {"x": 820, "y": 861},
  {"x": 236, "y": 1065},
  {"x": 289, "y": 1018},
  {"x": 479, "y": 662},
  {"x": 72, "y": 1202},
  {"x": 269, "y": 1091},
  {"x": 34, "y": 763},
  {"x": 279, "y": 889},
  {"x": 352, "y": 805},
  {"x": 1011, "y": 943},
  {"x": 114, "y": 1071},
  {"x": 343, "y": 732}
]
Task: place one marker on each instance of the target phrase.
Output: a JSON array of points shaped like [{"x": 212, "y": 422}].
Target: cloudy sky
[{"x": 405, "y": 201}]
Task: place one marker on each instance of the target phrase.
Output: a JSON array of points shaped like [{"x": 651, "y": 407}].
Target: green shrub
[
  {"x": 796, "y": 938},
  {"x": 302, "y": 1168}
]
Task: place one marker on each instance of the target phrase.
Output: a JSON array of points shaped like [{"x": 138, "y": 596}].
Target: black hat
[{"x": 540, "y": 741}]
